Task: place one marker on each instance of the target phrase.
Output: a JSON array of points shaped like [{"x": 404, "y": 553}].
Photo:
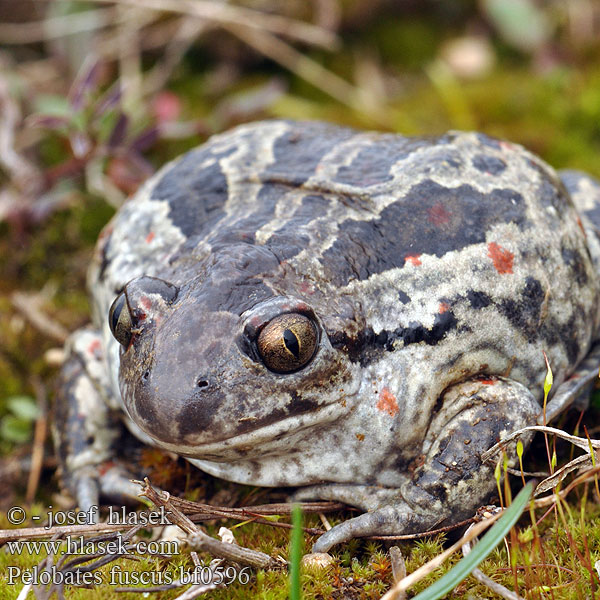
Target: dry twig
[
  {"x": 198, "y": 540},
  {"x": 39, "y": 439},
  {"x": 30, "y": 306},
  {"x": 57, "y": 27},
  {"x": 23, "y": 174},
  {"x": 398, "y": 568},
  {"x": 225, "y": 14}
]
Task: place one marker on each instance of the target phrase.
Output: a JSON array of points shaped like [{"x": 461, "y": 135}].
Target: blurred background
[{"x": 96, "y": 95}]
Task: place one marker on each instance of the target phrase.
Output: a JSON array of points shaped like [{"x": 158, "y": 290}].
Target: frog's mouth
[{"x": 275, "y": 438}]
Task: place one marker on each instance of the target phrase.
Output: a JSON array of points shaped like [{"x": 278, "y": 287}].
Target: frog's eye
[
  {"x": 119, "y": 320},
  {"x": 287, "y": 342}
]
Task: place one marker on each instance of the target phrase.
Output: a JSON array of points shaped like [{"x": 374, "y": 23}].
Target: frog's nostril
[{"x": 202, "y": 383}]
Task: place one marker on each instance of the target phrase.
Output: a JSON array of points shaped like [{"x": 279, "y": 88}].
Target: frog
[{"x": 356, "y": 315}]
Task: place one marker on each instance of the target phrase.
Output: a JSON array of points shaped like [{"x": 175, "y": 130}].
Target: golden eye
[
  {"x": 287, "y": 342},
  {"x": 119, "y": 320}
]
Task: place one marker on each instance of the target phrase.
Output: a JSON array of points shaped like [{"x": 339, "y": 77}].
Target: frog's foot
[
  {"x": 88, "y": 484},
  {"x": 452, "y": 481},
  {"x": 393, "y": 517},
  {"x": 388, "y": 520},
  {"x": 86, "y": 431}
]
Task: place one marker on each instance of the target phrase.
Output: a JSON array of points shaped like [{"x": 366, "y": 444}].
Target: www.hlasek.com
[{"x": 78, "y": 545}]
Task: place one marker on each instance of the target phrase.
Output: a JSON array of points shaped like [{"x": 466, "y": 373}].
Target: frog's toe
[
  {"x": 118, "y": 485},
  {"x": 388, "y": 520},
  {"x": 86, "y": 488},
  {"x": 366, "y": 497},
  {"x": 109, "y": 481}
]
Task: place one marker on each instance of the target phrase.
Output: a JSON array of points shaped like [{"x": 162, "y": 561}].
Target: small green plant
[
  {"x": 17, "y": 425},
  {"x": 96, "y": 132}
]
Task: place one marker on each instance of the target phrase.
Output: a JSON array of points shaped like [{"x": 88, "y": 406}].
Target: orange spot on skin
[
  {"x": 360, "y": 437},
  {"x": 150, "y": 237},
  {"x": 443, "y": 308},
  {"x": 438, "y": 215},
  {"x": 307, "y": 288},
  {"x": 486, "y": 381},
  {"x": 145, "y": 302},
  {"x": 502, "y": 258},
  {"x": 106, "y": 466},
  {"x": 581, "y": 226},
  {"x": 94, "y": 346},
  {"x": 413, "y": 260},
  {"x": 387, "y": 402}
]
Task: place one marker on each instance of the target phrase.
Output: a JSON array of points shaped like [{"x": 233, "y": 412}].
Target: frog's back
[{"x": 434, "y": 238}]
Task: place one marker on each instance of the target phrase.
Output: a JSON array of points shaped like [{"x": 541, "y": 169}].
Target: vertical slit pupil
[
  {"x": 116, "y": 312},
  {"x": 291, "y": 342}
]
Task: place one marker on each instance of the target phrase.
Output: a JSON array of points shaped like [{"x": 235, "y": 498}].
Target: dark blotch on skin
[
  {"x": 198, "y": 415},
  {"x": 573, "y": 180},
  {"x": 524, "y": 311},
  {"x": 312, "y": 207},
  {"x": 404, "y": 229},
  {"x": 235, "y": 281},
  {"x": 478, "y": 299},
  {"x": 576, "y": 263},
  {"x": 594, "y": 216},
  {"x": 452, "y": 159},
  {"x": 288, "y": 241},
  {"x": 489, "y": 164},
  {"x": 372, "y": 166},
  {"x": 551, "y": 192},
  {"x": 300, "y": 405},
  {"x": 265, "y": 204},
  {"x": 144, "y": 402},
  {"x": 403, "y": 297},
  {"x": 369, "y": 346},
  {"x": 415, "y": 333},
  {"x": 569, "y": 340},
  {"x": 104, "y": 260},
  {"x": 195, "y": 195},
  {"x": 298, "y": 152}
]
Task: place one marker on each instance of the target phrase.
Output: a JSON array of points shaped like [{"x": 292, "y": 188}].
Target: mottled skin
[{"x": 436, "y": 270}]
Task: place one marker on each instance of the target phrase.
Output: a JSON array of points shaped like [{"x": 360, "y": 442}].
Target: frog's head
[{"x": 219, "y": 367}]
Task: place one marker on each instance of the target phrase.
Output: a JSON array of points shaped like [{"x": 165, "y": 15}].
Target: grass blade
[
  {"x": 489, "y": 541},
  {"x": 296, "y": 553}
]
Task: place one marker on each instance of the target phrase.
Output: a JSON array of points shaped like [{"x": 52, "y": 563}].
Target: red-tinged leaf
[
  {"x": 121, "y": 174},
  {"x": 119, "y": 131},
  {"x": 145, "y": 140},
  {"x": 80, "y": 144},
  {"x": 109, "y": 100},
  {"x": 138, "y": 162},
  {"x": 86, "y": 80},
  {"x": 47, "y": 121}
]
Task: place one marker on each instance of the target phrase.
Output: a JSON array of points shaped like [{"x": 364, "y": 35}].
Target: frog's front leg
[
  {"x": 86, "y": 430},
  {"x": 451, "y": 481}
]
